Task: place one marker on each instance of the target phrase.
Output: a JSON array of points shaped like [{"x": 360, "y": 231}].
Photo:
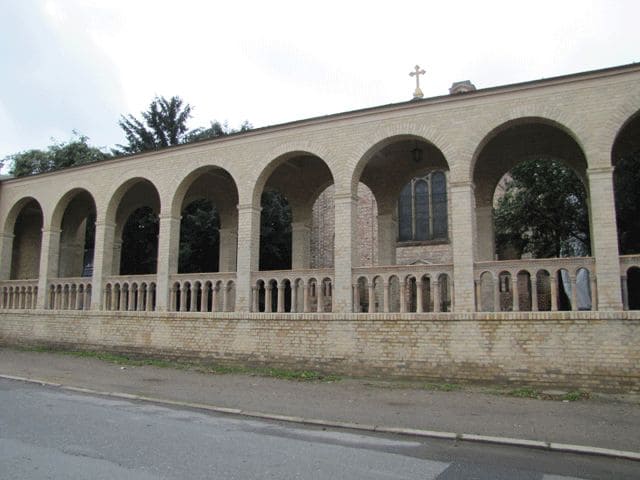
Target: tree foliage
[
  {"x": 139, "y": 253},
  {"x": 162, "y": 125},
  {"x": 199, "y": 238},
  {"x": 275, "y": 232},
  {"x": 215, "y": 129},
  {"x": 627, "y": 194},
  {"x": 76, "y": 151},
  {"x": 543, "y": 212}
]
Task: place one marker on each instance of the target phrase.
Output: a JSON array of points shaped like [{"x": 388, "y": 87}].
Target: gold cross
[{"x": 418, "y": 71}]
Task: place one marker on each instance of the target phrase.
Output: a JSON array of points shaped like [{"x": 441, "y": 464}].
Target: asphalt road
[{"x": 46, "y": 433}]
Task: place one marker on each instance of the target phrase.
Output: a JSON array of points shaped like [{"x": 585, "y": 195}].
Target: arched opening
[
  {"x": 543, "y": 290},
  {"x": 27, "y": 241},
  {"x": 287, "y": 190},
  {"x": 505, "y": 292},
  {"x": 135, "y": 248},
  {"x": 206, "y": 201},
  {"x": 77, "y": 235},
  {"x": 633, "y": 288},
  {"x": 524, "y": 291},
  {"x": 409, "y": 213},
  {"x": 625, "y": 158},
  {"x": 529, "y": 178},
  {"x": 362, "y": 289}
]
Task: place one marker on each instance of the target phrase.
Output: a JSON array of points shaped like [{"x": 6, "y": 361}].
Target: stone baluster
[
  {"x": 183, "y": 297},
  {"x": 554, "y": 291},
  {"x": 215, "y": 290},
  {"x": 320, "y": 296},
  {"x": 372, "y": 297},
  {"x": 194, "y": 298},
  {"x": 419, "y": 295},
  {"x": 268, "y": 304},
  {"x": 385, "y": 286},
  {"x": 403, "y": 296},
  {"x": 225, "y": 297},
  {"x": 305, "y": 297},
  {"x": 280, "y": 293},
  {"x": 515, "y": 292},
  {"x": 436, "y": 295},
  {"x": 294, "y": 297},
  {"x": 534, "y": 293}
]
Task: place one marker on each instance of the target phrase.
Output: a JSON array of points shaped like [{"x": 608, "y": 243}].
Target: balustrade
[
  {"x": 69, "y": 294},
  {"x": 548, "y": 284},
  {"x": 292, "y": 291},
  {"x": 203, "y": 292},
  {"x": 18, "y": 294},
  {"x": 414, "y": 288},
  {"x": 130, "y": 293}
]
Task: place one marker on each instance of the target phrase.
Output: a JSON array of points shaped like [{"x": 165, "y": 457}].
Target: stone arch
[
  {"x": 625, "y": 158},
  {"x": 131, "y": 196},
  {"x": 385, "y": 169},
  {"x": 293, "y": 181},
  {"x": 74, "y": 216},
  {"x": 24, "y": 225},
  {"x": 508, "y": 145},
  {"x": 208, "y": 192}
]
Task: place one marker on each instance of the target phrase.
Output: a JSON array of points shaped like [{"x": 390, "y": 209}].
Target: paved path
[{"x": 604, "y": 423}]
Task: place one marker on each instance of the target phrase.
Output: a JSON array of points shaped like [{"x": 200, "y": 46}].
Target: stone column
[
  {"x": 102, "y": 262},
  {"x": 320, "y": 296},
  {"x": 372, "y": 297},
  {"x": 485, "y": 246},
  {"x": 280, "y": 289},
  {"x": 225, "y": 297},
  {"x": 6, "y": 255},
  {"x": 228, "y": 249},
  {"x": 496, "y": 295},
  {"x": 387, "y": 233},
  {"x": 249, "y": 250},
  {"x": 300, "y": 245},
  {"x": 386, "y": 297},
  {"x": 604, "y": 237},
  {"x": 194, "y": 298},
  {"x": 345, "y": 250},
  {"x": 534, "y": 293},
  {"x": 403, "y": 293},
  {"x": 625, "y": 293},
  {"x": 49, "y": 254},
  {"x": 268, "y": 299},
  {"x": 419, "y": 295},
  {"x": 183, "y": 298},
  {"x": 436, "y": 295},
  {"x": 168, "y": 247},
  {"x": 554, "y": 291},
  {"x": 305, "y": 297},
  {"x": 462, "y": 237},
  {"x": 215, "y": 289},
  {"x": 574, "y": 293},
  {"x": 294, "y": 297},
  {"x": 255, "y": 307},
  {"x": 515, "y": 292}
]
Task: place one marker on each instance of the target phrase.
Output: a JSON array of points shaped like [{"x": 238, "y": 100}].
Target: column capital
[
  {"x": 345, "y": 197},
  {"x": 248, "y": 207},
  {"x": 604, "y": 170},
  {"x": 462, "y": 185}
]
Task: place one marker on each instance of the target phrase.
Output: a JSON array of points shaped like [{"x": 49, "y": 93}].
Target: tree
[
  {"x": 275, "y": 232},
  {"x": 216, "y": 129},
  {"x": 543, "y": 212},
  {"x": 627, "y": 194},
  {"x": 76, "y": 151},
  {"x": 199, "y": 238},
  {"x": 162, "y": 125}
]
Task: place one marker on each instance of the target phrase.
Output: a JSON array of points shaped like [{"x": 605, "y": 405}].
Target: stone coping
[{"x": 356, "y": 317}]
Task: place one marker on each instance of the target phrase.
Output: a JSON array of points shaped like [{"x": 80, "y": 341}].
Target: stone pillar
[
  {"x": 625, "y": 293},
  {"x": 604, "y": 237},
  {"x": 294, "y": 297},
  {"x": 372, "y": 297},
  {"x": 6, "y": 255},
  {"x": 168, "y": 248},
  {"x": 496, "y": 295},
  {"x": 554, "y": 291},
  {"x": 49, "y": 254},
  {"x": 215, "y": 289},
  {"x": 320, "y": 296},
  {"x": 228, "y": 249},
  {"x": 300, "y": 245},
  {"x": 436, "y": 295},
  {"x": 254, "y": 299},
  {"x": 356, "y": 298},
  {"x": 194, "y": 298},
  {"x": 280, "y": 289},
  {"x": 386, "y": 297},
  {"x": 515, "y": 292},
  {"x": 268, "y": 304},
  {"x": 419, "y": 295},
  {"x": 462, "y": 237},
  {"x": 574, "y": 293},
  {"x": 477, "y": 285},
  {"x": 387, "y": 233},
  {"x": 403, "y": 293},
  {"x": 345, "y": 250},
  {"x": 249, "y": 248},
  {"x": 102, "y": 262},
  {"x": 183, "y": 298},
  {"x": 305, "y": 297},
  {"x": 534, "y": 293},
  {"x": 225, "y": 297},
  {"x": 485, "y": 242}
]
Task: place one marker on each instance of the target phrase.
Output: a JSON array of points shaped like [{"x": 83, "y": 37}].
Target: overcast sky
[{"x": 78, "y": 64}]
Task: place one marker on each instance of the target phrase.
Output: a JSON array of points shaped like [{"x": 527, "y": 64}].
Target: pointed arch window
[{"x": 422, "y": 209}]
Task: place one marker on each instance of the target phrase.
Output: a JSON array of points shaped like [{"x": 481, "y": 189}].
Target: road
[{"x": 46, "y": 433}]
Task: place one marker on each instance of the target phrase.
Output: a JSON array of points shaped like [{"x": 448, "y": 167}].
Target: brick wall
[{"x": 590, "y": 350}]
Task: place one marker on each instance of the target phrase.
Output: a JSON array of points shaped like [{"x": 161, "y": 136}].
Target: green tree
[
  {"x": 543, "y": 211},
  {"x": 199, "y": 238},
  {"x": 162, "y": 125},
  {"x": 215, "y": 129},
  {"x": 275, "y": 232},
  {"x": 76, "y": 151},
  {"x": 627, "y": 194}
]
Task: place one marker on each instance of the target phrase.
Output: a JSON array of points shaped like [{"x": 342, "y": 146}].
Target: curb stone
[{"x": 467, "y": 437}]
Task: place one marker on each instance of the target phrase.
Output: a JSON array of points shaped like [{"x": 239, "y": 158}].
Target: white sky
[{"x": 79, "y": 64}]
